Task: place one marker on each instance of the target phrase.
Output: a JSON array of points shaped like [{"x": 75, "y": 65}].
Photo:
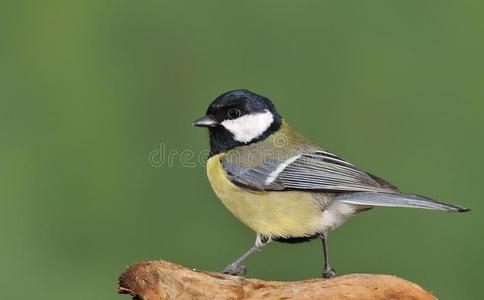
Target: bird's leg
[
  {"x": 328, "y": 272},
  {"x": 236, "y": 268}
]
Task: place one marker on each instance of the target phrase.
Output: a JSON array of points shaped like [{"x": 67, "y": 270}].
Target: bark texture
[{"x": 156, "y": 280}]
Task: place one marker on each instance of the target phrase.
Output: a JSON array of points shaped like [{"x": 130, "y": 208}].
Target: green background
[{"x": 88, "y": 89}]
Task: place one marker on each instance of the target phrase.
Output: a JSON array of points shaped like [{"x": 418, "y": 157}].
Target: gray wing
[{"x": 316, "y": 170}]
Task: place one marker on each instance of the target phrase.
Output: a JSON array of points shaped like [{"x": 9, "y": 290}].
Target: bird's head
[{"x": 239, "y": 117}]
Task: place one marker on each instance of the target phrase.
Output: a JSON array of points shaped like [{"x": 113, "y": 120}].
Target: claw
[
  {"x": 236, "y": 270},
  {"x": 328, "y": 272}
]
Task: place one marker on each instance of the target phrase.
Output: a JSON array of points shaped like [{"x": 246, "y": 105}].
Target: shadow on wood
[{"x": 155, "y": 280}]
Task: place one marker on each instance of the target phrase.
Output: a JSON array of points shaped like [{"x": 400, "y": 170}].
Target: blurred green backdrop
[{"x": 89, "y": 89}]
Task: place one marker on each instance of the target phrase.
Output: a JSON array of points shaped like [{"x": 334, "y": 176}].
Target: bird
[{"x": 283, "y": 186}]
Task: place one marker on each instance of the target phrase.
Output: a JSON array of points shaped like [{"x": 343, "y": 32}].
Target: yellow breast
[{"x": 273, "y": 214}]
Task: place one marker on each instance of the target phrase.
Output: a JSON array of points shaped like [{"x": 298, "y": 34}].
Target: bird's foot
[
  {"x": 328, "y": 272},
  {"x": 235, "y": 269}
]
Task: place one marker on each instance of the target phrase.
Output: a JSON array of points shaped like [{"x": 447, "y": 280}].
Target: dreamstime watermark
[
  {"x": 161, "y": 157},
  {"x": 275, "y": 150}
]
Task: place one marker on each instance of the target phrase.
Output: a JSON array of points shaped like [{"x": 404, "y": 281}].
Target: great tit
[{"x": 283, "y": 186}]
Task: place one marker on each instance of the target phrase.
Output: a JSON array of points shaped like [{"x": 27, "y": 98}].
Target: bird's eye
[{"x": 234, "y": 113}]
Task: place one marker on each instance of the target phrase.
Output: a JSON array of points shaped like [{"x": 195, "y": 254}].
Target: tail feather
[{"x": 397, "y": 200}]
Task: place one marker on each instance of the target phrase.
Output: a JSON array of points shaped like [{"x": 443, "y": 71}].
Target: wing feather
[{"x": 314, "y": 170}]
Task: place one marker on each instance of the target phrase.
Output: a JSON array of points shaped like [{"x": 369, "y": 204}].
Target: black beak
[{"x": 206, "y": 121}]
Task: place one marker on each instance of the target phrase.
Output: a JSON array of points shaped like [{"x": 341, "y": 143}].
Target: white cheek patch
[{"x": 249, "y": 127}]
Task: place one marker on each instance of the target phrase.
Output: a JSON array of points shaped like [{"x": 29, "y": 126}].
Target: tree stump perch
[{"x": 159, "y": 280}]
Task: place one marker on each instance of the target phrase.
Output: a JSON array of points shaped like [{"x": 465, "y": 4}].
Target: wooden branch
[{"x": 156, "y": 280}]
